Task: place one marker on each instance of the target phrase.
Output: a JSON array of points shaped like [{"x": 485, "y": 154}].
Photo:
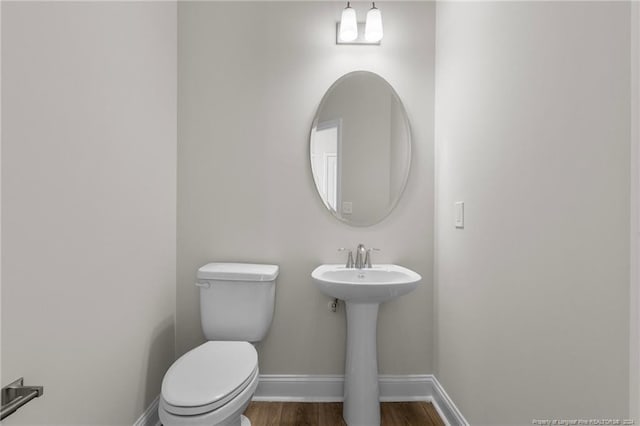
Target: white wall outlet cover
[
  {"x": 459, "y": 214},
  {"x": 347, "y": 207}
]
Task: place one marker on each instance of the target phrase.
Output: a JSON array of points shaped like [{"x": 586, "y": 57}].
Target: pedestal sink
[{"x": 363, "y": 290}]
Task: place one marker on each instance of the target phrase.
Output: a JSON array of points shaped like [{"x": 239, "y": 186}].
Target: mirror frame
[{"x": 314, "y": 124}]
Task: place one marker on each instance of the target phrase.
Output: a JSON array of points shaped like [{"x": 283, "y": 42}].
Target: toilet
[{"x": 213, "y": 383}]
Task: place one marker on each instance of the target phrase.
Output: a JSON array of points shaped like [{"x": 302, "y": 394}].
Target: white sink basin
[
  {"x": 363, "y": 290},
  {"x": 370, "y": 285}
]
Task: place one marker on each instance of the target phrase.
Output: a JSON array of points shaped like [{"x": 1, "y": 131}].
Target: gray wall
[
  {"x": 88, "y": 206},
  {"x": 634, "y": 335},
  {"x": 250, "y": 78},
  {"x": 533, "y": 122}
]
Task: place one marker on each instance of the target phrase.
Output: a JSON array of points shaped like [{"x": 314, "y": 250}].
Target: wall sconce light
[
  {"x": 373, "y": 27},
  {"x": 348, "y": 28},
  {"x": 350, "y": 31}
]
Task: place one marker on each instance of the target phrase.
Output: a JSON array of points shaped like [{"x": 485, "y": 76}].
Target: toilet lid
[
  {"x": 238, "y": 272},
  {"x": 209, "y": 373}
]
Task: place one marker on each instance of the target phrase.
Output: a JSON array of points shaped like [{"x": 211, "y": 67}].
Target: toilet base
[{"x": 244, "y": 421}]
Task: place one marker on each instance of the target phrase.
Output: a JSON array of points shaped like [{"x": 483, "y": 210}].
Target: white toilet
[{"x": 213, "y": 383}]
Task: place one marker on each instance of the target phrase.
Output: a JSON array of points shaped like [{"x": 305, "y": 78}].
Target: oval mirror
[{"x": 360, "y": 147}]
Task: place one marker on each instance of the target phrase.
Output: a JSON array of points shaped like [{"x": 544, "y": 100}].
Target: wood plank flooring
[{"x": 330, "y": 414}]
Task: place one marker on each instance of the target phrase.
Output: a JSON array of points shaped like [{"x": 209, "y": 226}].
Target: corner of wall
[{"x": 634, "y": 309}]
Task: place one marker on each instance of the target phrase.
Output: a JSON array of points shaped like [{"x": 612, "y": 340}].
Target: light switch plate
[{"x": 459, "y": 214}]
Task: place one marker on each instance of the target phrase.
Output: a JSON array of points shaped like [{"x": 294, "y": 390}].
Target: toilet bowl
[{"x": 212, "y": 384}]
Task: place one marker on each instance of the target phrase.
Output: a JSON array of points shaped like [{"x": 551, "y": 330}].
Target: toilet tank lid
[{"x": 238, "y": 272}]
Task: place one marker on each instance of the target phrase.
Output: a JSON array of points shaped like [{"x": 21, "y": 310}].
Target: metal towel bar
[{"x": 15, "y": 395}]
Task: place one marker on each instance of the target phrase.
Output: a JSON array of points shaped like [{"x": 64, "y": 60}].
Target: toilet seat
[{"x": 209, "y": 377}]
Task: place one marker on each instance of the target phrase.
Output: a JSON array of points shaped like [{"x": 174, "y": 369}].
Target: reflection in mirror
[
  {"x": 324, "y": 161},
  {"x": 360, "y": 148}
]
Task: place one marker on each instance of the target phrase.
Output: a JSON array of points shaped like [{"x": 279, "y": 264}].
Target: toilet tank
[{"x": 237, "y": 300}]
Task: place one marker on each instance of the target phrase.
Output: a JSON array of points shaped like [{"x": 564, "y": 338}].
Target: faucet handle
[
  {"x": 349, "y": 263},
  {"x": 367, "y": 259}
]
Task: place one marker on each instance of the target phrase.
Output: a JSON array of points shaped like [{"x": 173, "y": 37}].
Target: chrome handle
[
  {"x": 367, "y": 258},
  {"x": 349, "y": 263},
  {"x": 203, "y": 285},
  {"x": 15, "y": 395}
]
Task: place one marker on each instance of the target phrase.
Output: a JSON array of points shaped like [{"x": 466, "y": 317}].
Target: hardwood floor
[{"x": 330, "y": 414}]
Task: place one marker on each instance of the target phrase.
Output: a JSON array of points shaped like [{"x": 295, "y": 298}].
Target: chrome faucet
[
  {"x": 361, "y": 253},
  {"x": 363, "y": 257}
]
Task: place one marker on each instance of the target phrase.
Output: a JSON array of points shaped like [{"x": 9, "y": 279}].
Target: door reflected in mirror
[
  {"x": 324, "y": 160},
  {"x": 360, "y": 148}
]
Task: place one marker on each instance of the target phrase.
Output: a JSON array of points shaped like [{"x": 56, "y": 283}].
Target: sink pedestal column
[{"x": 361, "y": 394}]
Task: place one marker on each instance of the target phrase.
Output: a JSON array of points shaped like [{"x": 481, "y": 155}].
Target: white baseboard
[
  {"x": 329, "y": 388},
  {"x": 150, "y": 415},
  {"x": 299, "y": 388},
  {"x": 445, "y": 406}
]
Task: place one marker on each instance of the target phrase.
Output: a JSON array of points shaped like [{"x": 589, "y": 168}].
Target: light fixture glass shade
[
  {"x": 348, "y": 24},
  {"x": 373, "y": 27}
]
